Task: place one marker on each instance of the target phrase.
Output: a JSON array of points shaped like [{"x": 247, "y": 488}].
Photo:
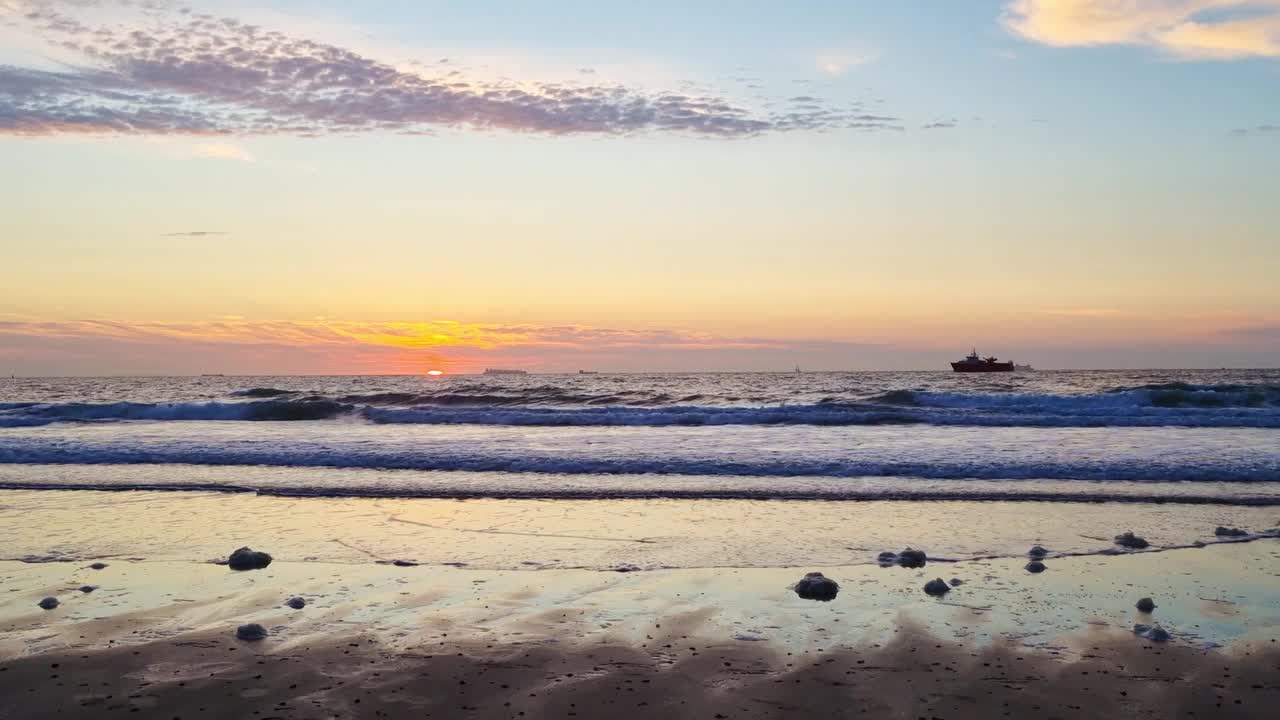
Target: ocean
[{"x": 1202, "y": 436}]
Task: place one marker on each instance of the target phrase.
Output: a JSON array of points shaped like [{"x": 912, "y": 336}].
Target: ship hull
[{"x": 982, "y": 367}]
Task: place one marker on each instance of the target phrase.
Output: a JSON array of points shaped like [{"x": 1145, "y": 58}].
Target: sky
[{"x": 398, "y": 186}]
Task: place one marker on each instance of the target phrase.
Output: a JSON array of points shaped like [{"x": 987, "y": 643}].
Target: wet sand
[{"x": 156, "y": 636}]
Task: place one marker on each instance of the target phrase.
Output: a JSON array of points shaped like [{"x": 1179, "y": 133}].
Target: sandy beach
[{"x": 593, "y": 624}]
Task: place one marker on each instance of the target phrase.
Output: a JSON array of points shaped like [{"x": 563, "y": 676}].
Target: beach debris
[
  {"x": 88, "y": 588},
  {"x": 296, "y": 603},
  {"x": 247, "y": 559},
  {"x": 1230, "y": 532},
  {"x": 1131, "y": 541},
  {"x": 816, "y": 586},
  {"x": 912, "y": 558},
  {"x": 251, "y": 631},
  {"x": 1154, "y": 633},
  {"x": 956, "y": 582},
  {"x": 907, "y": 558},
  {"x": 937, "y": 587},
  {"x": 1036, "y": 567},
  {"x": 626, "y": 568},
  {"x": 98, "y": 566},
  {"x": 1037, "y": 552},
  {"x": 1145, "y": 605},
  {"x": 48, "y": 603},
  {"x": 404, "y": 563}
]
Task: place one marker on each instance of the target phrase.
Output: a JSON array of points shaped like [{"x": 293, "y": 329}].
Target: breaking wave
[{"x": 1168, "y": 404}]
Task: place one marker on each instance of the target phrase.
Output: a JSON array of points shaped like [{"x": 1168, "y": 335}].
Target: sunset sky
[{"x": 352, "y": 187}]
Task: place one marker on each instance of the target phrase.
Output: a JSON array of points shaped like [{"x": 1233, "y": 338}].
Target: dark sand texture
[{"x": 673, "y": 675}]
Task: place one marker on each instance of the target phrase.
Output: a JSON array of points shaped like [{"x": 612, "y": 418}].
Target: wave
[
  {"x": 401, "y": 490},
  {"x": 1153, "y": 405},
  {"x": 360, "y": 454},
  {"x": 44, "y": 414}
]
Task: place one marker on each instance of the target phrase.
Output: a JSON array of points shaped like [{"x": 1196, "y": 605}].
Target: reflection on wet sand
[{"x": 673, "y": 672}]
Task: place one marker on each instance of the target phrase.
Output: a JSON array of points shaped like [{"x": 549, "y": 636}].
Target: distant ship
[
  {"x": 1023, "y": 368},
  {"x": 588, "y": 372},
  {"x": 500, "y": 371},
  {"x": 973, "y": 363}
]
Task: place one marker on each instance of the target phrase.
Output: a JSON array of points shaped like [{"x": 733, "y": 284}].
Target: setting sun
[{"x": 435, "y": 372}]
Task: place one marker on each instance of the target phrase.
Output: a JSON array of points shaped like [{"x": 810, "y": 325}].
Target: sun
[{"x": 435, "y": 372}]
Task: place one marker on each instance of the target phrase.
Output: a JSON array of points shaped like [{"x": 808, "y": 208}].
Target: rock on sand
[
  {"x": 1037, "y": 552},
  {"x": 247, "y": 559},
  {"x": 1230, "y": 532},
  {"x": 1154, "y": 633},
  {"x": 49, "y": 603},
  {"x": 252, "y": 631},
  {"x": 1035, "y": 566},
  {"x": 937, "y": 587},
  {"x": 816, "y": 586},
  {"x": 1131, "y": 541},
  {"x": 296, "y": 603}
]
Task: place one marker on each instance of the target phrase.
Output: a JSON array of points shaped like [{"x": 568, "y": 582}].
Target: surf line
[{"x": 645, "y": 541}]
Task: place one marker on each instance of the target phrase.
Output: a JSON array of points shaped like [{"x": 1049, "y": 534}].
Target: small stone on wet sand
[
  {"x": 1035, "y": 566},
  {"x": 937, "y": 587},
  {"x": 88, "y": 588},
  {"x": 247, "y": 559},
  {"x": 1154, "y": 633},
  {"x": 251, "y": 631},
  {"x": 98, "y": 566},
  {"x": 49, "y": 603},
  {"x": 1037, "y": 552},
  {"x": 816, "y": 586},
  {"x": 1129, "y": 540},
  {"x": 296, "y": 603},
  {"x": 1230, "y": 532}
]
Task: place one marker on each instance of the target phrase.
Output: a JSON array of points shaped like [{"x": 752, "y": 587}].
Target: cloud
[
  {"x": 839, "y": 62},
  {"x": 234, "y": 344},
  {"x": 939, "y": 125},
  {"x": 1193, "y": 29},
  {"x": 1256, "y": 332},
  {"x": 194, "y": 233},
  {"x": 223, "y": 151},
  {"x": 191, "y": 73},
  {"x": 1084, "y": 312},
  {"x": 1256, "y": 130}
]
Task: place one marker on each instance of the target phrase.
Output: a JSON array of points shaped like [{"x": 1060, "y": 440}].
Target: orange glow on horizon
[{"x": 435, "y": 372}]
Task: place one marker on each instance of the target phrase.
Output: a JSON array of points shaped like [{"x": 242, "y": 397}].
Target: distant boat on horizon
[
  {"x": 975, "y": 363},
  {"x": 502, "y": 371},
  {"x": 588, "y": 372}
]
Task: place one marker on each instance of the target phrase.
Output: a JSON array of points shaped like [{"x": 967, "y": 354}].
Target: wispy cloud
[
  {"x": 223, "y": 151},
  {"x": 1256, "y": 130},
  {"x": 194, "y": 233},
  {"x": 1085, "y": 312},
  {"x": 839, "y": 62},
  {"x": 939, "y": 125},
  {"x": 192, "y": 73},
  {"x": 1193, "y": 29},
  {"x": 326, "y": 345}
]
